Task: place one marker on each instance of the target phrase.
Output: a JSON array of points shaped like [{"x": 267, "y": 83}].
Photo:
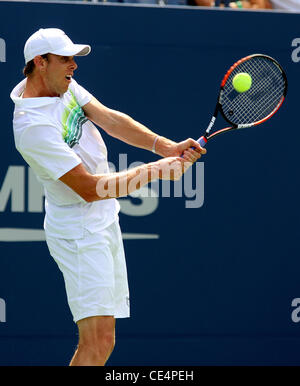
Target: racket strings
[
  {"x": 263, "y": 97},
  {"x": 264, "y": 93},
  {"x": 274, "y": 93}
]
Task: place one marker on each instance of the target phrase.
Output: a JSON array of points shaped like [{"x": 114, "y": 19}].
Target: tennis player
[{"x": 54, "y": 133}]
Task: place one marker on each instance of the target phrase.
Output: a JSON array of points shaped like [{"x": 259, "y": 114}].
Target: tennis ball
[{"x": 242, "y": 82}]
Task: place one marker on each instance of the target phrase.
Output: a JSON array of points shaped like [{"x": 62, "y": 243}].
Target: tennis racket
[{"x": 252, "y": 107}]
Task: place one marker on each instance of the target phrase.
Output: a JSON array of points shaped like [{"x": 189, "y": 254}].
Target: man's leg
[{"x": 96, "y": 341}]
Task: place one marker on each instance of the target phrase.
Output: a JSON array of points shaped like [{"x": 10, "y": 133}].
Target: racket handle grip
[{"x": 202, "y": 141}]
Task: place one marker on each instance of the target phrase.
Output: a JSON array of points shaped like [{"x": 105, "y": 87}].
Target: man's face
[{"x": 58, "y": 73}]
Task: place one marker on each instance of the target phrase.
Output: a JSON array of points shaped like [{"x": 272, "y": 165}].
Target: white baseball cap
[{"x": 52, "y": 41}]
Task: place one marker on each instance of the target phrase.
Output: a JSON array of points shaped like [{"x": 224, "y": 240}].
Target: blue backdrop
[{"x": 213, "y": 285}]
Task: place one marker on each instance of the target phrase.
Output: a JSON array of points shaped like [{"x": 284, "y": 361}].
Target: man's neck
[{"x": 35, "y": 88}]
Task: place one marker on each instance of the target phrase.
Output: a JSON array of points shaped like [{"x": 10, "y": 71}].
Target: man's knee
[
  {"x": 101, "y": 345},
  {"x": 105, "y": 340},
  {"x": 97, "y": 336}
]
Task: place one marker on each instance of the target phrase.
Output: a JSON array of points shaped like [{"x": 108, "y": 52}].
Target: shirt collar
[{"x": 29, "y": 102}]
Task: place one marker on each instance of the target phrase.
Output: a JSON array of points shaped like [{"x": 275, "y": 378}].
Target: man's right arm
[{"x": 113, "y": 185}]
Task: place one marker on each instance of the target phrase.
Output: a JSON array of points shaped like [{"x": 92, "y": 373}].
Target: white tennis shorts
[{"x": 95, "y": 274}]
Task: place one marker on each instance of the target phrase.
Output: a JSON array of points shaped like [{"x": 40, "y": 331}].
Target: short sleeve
[
  {"x": 82, "y": 95},
  {"x": 47, "y": 154}
]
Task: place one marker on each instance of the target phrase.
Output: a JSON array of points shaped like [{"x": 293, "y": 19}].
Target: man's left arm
[{"x": 123, "y": 127}]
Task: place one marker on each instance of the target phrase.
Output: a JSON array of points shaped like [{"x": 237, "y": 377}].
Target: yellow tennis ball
[{"x": 242, "y": 82}]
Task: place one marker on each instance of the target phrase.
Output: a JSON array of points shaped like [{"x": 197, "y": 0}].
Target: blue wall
[{"x": 216, "y": 286}]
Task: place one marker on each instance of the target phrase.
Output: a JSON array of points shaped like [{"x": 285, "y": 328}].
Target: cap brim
[
  {"x": 84, "y": 49},
  {"x": 74, "y": 50}
]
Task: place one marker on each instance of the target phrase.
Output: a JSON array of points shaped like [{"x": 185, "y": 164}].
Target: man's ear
[{"x": 40, "y": 62}]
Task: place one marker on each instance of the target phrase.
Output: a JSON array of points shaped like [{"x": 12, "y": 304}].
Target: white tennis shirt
[{"x": 53, "y": 136}]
